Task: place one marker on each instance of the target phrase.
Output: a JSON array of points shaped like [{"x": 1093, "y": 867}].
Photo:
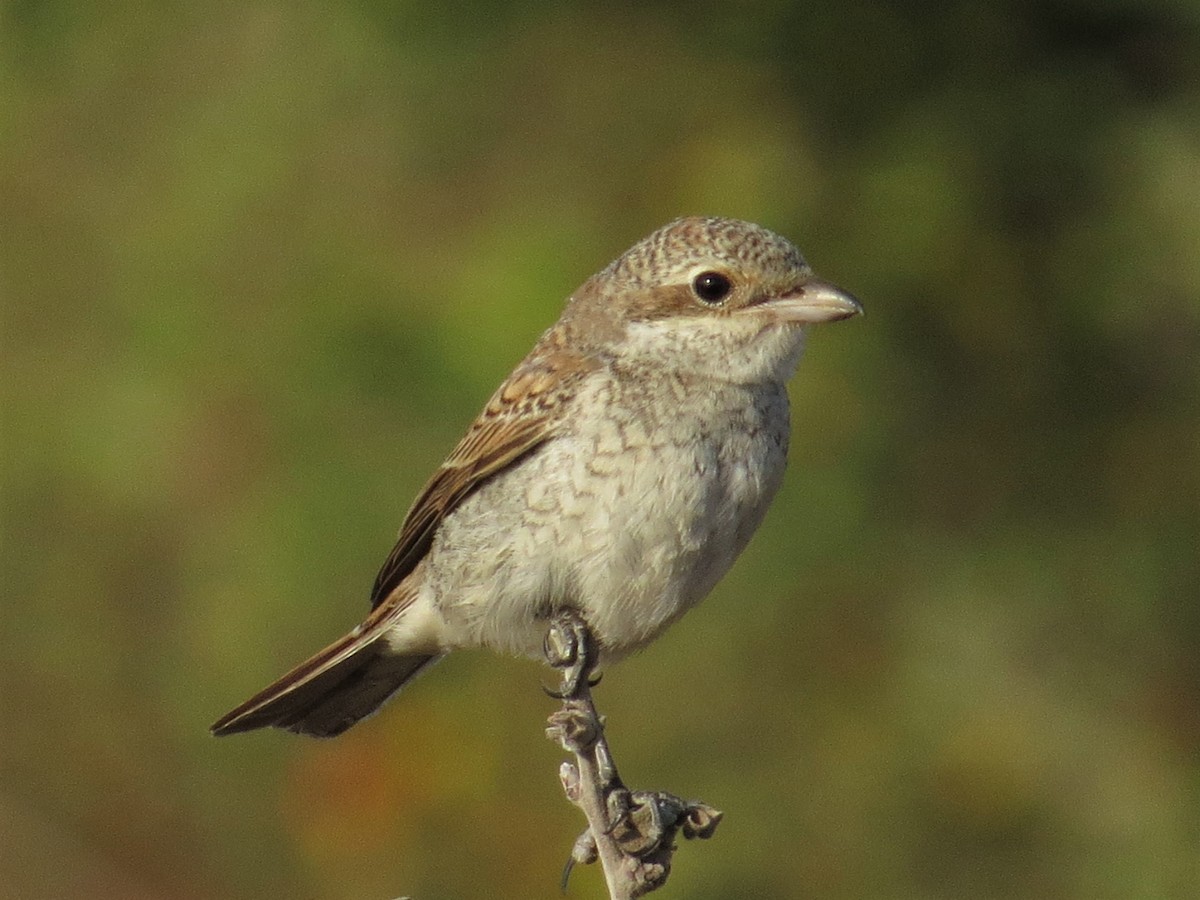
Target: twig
[{"x": 632, "y": 833}]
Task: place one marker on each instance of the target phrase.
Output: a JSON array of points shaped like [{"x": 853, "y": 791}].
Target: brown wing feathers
[{"x": 520, "y": 416}]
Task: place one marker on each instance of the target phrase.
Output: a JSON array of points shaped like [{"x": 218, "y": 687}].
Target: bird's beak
[{"x": 814, "y": 301}]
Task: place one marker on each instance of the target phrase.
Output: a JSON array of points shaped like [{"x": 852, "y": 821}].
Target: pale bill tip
[{"x": 817, "y": 301}]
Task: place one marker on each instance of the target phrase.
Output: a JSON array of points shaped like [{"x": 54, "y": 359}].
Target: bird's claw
[{"x": 554, "y": 693}]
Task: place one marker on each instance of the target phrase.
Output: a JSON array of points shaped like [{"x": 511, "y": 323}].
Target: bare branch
[{"x": 632, "y": 833}]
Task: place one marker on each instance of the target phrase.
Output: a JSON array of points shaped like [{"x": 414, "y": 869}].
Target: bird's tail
[{"x": 329, "y": 692}]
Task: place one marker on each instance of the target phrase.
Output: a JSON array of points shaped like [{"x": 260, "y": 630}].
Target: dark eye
[{"x": 711, "y": 287}]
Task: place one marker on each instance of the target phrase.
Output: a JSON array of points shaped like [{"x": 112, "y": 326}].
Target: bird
[{"x": 616, "y": 474}]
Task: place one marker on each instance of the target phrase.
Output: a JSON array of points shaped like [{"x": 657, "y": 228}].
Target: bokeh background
[{"x": 261, "y": 262}]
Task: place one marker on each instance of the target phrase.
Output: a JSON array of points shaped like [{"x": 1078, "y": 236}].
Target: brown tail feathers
[{"x": 326, "y": 694}]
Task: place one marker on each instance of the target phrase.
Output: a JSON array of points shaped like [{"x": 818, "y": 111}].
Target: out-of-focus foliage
[{"x": 261, "y": 262}]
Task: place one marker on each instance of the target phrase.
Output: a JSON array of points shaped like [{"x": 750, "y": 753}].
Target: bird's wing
[{"x": 524, "y": 413}]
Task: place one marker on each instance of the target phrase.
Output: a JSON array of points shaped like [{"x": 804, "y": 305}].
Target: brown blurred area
[{"x": 260, "y": 264}]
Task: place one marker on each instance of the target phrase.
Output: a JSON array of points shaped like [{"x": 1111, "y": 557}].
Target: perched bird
[{"x": 617, "y": 472}]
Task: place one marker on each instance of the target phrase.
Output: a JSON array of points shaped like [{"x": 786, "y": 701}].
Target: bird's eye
[{"x": 711, "y": 287}]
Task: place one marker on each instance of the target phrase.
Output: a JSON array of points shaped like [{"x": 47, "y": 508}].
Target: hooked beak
[{"x": 813, "y": 302}]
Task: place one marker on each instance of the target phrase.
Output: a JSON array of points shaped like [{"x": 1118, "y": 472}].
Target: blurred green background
[{"x": 260, "y": 263}]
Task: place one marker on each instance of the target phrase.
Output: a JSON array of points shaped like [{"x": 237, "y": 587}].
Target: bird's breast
[{"x": 657, "y": 496}]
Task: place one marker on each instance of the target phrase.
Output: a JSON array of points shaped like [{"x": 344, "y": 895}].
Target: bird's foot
[{"x": 569, "y": 645}]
